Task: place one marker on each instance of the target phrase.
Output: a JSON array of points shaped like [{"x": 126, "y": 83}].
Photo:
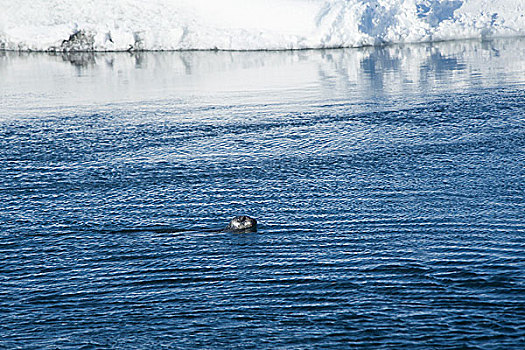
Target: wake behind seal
[{"x": 242, "y": 224}]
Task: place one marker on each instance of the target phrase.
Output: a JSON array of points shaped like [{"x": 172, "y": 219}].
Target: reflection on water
[
  {"x": 79, "y": 59},
  {"x": 312, "y": 76}
]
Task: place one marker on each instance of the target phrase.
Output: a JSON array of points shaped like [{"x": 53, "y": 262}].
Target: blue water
[{"x": 389, "y": 185}]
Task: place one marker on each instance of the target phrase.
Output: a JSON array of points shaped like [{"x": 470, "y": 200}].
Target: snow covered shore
[{"x": 119, "y": 25}]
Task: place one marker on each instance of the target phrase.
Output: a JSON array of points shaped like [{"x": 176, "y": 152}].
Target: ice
[{"x": 120, "y": 25}]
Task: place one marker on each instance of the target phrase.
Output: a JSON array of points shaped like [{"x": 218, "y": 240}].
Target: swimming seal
[
  {"x": 242, "y": 224},
  {"x": 238, "y": 224}
]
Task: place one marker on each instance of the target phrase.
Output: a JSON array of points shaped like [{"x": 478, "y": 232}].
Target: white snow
[{"x": 116, "y": 25}]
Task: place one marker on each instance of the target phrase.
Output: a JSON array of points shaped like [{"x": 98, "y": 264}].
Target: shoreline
[{"x": 392, "y": 44}]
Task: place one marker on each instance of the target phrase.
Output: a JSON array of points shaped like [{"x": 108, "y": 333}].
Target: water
[{"x": 388, "y": 183}]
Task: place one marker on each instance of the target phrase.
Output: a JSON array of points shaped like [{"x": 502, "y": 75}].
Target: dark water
[{"x": 389, "y": 185}]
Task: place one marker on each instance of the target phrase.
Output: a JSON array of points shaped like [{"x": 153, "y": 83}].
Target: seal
[
  {"x": 242, "y": 224},
  {"x": 238, "y": 224}
]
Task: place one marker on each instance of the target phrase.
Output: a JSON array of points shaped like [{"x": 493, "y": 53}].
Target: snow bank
[{"x": 105, "y": 25}]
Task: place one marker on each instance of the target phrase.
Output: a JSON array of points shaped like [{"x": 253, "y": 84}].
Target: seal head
[{"x": 242, "y": 224}]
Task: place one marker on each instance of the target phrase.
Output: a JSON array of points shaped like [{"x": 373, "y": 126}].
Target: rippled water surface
[{"x": 388, "y": 183}]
